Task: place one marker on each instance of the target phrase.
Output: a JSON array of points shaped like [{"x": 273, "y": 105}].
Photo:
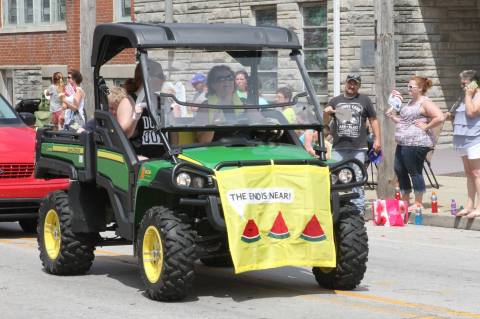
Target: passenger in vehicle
[
  {"x": 122, "y": 106},
  {"x": 242, "y": 82},
  {"x": 284, "y": 95}
]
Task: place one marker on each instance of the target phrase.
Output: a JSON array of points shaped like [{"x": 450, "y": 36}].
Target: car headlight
[
  {"x": 198, "y": 182},
  {"x": 183, "y": 179},
  {"x": 345, "y": 175}
]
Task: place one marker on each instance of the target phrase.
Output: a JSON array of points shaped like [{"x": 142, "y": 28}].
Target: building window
[
  {"x": 21, "y": 13},
  {"x": 267, "y": 70},
  {"x": 315, "y": 45},
  {"x": 123, "y": 10}
]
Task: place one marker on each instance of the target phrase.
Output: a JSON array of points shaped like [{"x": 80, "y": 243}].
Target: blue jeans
[
  {"x": 344, "y": 154},
  {"x": 409, "y": 165}
]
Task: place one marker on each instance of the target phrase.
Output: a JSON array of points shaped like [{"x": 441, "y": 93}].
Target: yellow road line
[{"x": 407, "y": 304}]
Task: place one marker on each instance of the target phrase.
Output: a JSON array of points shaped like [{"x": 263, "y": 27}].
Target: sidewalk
[
  {"x": 448, "y": 168},
  {"x": 450, "y": 187}
]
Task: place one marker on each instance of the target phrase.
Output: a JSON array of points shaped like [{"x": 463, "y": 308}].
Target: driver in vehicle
[{"x": 221, "y": 91}]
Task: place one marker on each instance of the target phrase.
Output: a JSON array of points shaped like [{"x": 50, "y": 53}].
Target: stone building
[{"x": 434, "y": 38}]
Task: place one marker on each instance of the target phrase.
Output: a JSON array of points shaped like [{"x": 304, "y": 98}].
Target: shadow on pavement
[{"x": 221, "y": 282}]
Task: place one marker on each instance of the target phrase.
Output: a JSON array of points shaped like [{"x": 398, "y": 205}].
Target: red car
[{"x": 20, "y": 191}]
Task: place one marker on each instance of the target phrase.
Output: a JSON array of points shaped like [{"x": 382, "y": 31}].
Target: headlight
[
  {"x": 198, "y": 182},
  {"x": 184, "y": 179},
  {"x": 345, "y": 175}
]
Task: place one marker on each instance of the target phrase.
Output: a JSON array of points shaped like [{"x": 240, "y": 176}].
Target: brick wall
[
  {"x": 38, "y": 48},
  {"x": 42, "y": 53}
]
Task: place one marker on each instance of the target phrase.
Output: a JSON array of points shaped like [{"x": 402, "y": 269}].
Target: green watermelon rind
[
  {"x": 279, "y": 236},
  {"x": 310, "y": 238},
  {"x": 251, "y": 239}
]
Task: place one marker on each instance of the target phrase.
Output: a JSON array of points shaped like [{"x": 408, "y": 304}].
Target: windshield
[
  {"x": 7, "y": 115},
  {"x": 209, "y": 89}
]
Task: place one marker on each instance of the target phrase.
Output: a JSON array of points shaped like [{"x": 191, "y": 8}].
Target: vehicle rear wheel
[
  {"x": 62, "y": 251},
  {"x": 352, "y": 253},
  {"x": 166, "y": 253},
  {"x": 29, "y": 225}
]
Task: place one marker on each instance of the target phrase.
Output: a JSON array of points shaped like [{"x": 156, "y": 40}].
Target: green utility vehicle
[{"x": 167, "y": 206}]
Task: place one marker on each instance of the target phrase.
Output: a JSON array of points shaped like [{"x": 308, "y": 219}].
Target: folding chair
[{"x": 427, "y": 168}]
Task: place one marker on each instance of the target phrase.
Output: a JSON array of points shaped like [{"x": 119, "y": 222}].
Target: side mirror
[{"x": 28, "y": 118}]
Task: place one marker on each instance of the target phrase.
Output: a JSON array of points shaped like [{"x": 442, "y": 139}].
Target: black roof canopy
[{"x": 110, "y": 39}]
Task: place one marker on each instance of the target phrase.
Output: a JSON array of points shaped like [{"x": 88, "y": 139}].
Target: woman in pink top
[{"x": 414, "y": 138}]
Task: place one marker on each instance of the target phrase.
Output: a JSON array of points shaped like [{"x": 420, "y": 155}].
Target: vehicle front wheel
[
  {"x": 166, "y": 254},
  {"x": 62, "y": 251},
  {"x": 351, "y": 241}
]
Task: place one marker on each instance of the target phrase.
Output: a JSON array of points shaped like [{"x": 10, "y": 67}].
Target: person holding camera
[
  {"x": 415, "y": 138},
  {"x": 466, "y": 138}
]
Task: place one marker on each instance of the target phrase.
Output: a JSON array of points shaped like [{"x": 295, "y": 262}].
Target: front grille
[{"x": 16, "y": 170}]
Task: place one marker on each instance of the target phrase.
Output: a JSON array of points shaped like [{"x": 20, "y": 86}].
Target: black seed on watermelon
[
  {"x": 313, "y": 231},
  {"x": 250, "y": 233},
  {"x": 279, "y": 228}
]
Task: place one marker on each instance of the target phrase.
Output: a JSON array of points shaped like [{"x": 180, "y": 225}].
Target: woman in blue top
[{"x": 466, "y": 139}]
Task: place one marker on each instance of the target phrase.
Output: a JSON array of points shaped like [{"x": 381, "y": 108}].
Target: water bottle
[
  {"x": 418, "y": 216},
  {"x": 453, "y": 208},
  {"x": 397, "y": 193},
  {"x": 434, "y": 203}
]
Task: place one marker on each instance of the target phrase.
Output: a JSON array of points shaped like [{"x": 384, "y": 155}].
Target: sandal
[
  {"x": 473, "y": 214},
  {"x": 464, "y": 212}
]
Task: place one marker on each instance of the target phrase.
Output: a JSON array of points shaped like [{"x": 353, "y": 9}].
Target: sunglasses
[{"x": 224, "y": 78}]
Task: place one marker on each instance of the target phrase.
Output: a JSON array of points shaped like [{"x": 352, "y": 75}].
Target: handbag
[{"x": 389, "y": 212}]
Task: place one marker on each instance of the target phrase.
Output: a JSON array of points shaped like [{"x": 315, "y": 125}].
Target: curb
[{"x": 441, "y": 220}]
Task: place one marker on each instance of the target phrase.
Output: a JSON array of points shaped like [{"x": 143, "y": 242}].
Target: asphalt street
[{"x": 413, "y": 272}]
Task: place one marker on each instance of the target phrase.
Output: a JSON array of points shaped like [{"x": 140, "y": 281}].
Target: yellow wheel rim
[
  {"x": 51, "y": 234},
  {"x": 152, "y": 252}
]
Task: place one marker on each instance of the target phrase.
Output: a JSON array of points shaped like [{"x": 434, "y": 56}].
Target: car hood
[
  {"x": 17, "y": 144},
  {"x": 210, "y": 156}
]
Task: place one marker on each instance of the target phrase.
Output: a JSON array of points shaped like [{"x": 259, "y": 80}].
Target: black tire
[
  {"x": 221, "y": 261},
  {"x": 351, "y": 241},
  {"x": 75, "y": 254},
  {"x": 29, "y": 225},
  {"x": 176, "y": 258}
]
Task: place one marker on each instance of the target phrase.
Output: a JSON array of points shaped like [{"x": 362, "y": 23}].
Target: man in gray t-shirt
[{"x": 349, "y": 113}]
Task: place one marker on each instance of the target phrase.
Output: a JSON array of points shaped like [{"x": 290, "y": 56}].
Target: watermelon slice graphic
[
  {"x": 250, "y": 233},
  {"x": 313, "y": 231},
  {"x": 279, "y": 228}
]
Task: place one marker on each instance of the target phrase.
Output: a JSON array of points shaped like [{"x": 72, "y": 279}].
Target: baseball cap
[
  {"x": 354, "y": 76},
  {"x": 198, "y": 77}
]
